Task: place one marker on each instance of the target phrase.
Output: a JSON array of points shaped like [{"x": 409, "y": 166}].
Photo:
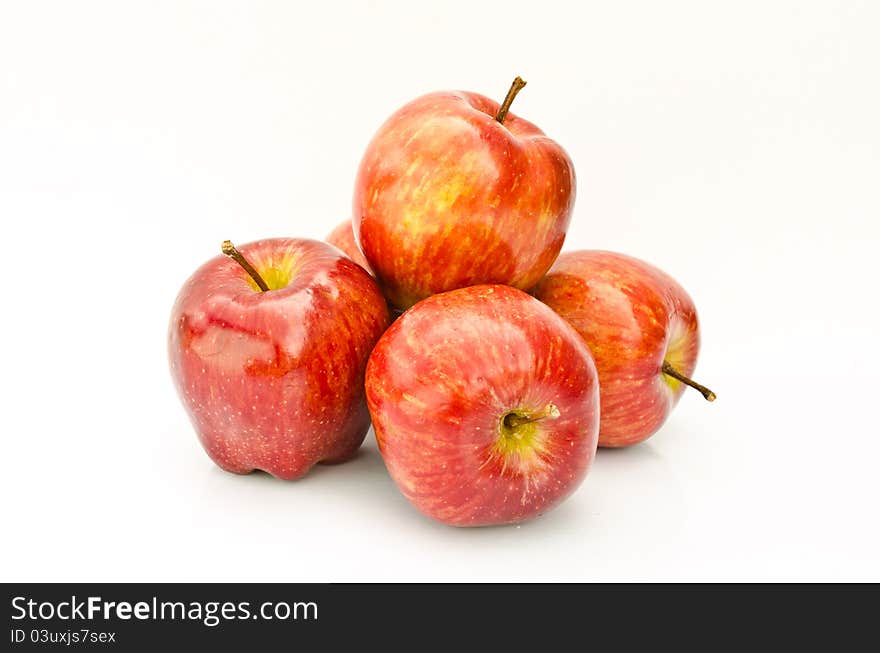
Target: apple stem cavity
[
  {"x": 678, "y": 376},
  {"x": 229, "y": 250},
  {"x": 518, "y": 418},
  {"x": 515, "y": 88}
]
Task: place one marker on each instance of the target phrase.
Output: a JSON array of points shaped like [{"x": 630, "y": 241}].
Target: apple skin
[
  {"x": 342, "y": 237},
  {"x": 448, "y": 197},
  {"x": 633, "y": 316},
  {"x": 274, "y": 380},
  {"x": 439, "y": 384}
]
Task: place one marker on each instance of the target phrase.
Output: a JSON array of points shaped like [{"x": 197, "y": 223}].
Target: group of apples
[{"x": 491, "y": 369}]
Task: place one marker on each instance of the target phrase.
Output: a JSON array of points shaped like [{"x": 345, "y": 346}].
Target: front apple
[
  {"x": 485, "y": 405},
  {"x": 273, "y": 379},
  {"x": 455, "y": 191},
  {"x": 643, "y": 331}
]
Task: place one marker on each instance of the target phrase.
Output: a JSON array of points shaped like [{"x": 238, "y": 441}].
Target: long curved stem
[
  {"x": 678, "y": 376},
  {"x": 515, "y": 88},
  {"x": 229, "y": 250}
]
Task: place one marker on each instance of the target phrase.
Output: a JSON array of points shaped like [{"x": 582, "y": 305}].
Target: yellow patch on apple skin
[
  {"x": 676, "y": 353},
  {"x": 277, "y": 273},
  {"x": 445, "y": 196},
  {"x": 441, "y": 186},
  {"x": 416, "y": 403},
  {"x": 521, "y": 450},
  {"x": 413, "y": 166}
]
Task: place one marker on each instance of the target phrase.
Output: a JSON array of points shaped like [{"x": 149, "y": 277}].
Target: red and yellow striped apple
[
  {"x": 268, "y": 353},
  {"x": 642, "y": 329},
  {"x": 485, "y": 405},
  {"x": 454, "y": 191}
]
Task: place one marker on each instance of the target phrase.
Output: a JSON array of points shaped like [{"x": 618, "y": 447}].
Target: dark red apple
[
  {"x": 273, "y": 380},
  {"x": 342, "y": 237},
  {"x": 485, "y": 405},
  {"x": 643, "y": 331},
  {"x": 454, "y": 191}
]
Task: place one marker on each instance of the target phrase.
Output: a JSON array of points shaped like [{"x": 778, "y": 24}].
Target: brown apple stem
[
  {"x": 515, "y": 88},
  {"x": 229, "y": 249},
  {"x": 512, "y": 420},
  {"x": 675, "y": 374}
]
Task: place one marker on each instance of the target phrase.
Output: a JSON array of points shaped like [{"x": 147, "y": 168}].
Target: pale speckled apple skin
[
  {"x": 439, "y": 383},
  {"x": 274, "y": 380},
  {"x": 342, "y": 237},
  {"x": 448, "y": 197},
  {"x": 633, "y": 316}
]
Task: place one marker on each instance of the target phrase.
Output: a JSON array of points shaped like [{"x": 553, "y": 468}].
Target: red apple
[
  {"x": 454, "y": 191},
  {"x": 273, "y": 380},
  {"x": 343, "y": 238},
  {"x": 642, "y": 329},
  {"x": 485, "y": 405}
]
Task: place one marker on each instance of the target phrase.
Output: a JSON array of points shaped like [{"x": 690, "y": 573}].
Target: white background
[{"x": 736, "y": 145}]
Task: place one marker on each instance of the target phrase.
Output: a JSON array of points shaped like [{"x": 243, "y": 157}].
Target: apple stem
[
  {"x": 229, "y": 249},
  {"x": 512, "y": 420},
  {"x": 675, "y": 374},
  {"x": 515, "y": 88}
]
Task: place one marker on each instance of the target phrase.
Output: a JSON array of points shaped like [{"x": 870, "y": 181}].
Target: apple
[
  {"x": 643, "y": 331},
  {"x": 268, "y": 353},
  {"x": 485, "y": 405},
  {"x": 453, "y": 191},
  {"x": 342, "y": 237}
]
